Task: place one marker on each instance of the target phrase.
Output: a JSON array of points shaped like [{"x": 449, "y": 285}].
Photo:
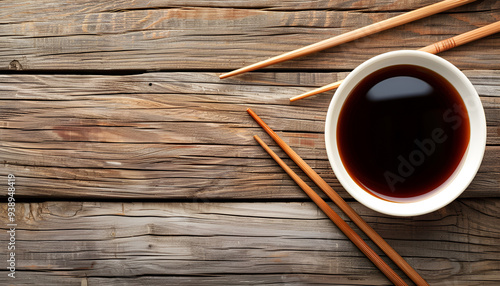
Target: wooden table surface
[{"x": 134, "y": 163}]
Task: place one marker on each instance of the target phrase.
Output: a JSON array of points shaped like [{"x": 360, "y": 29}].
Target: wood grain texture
[
  {"x": 223, "y": 35},
  {"x": 243, "y": 243},
  {"x": 114, "y": 110},
  {"x": 178, "y": 135}
]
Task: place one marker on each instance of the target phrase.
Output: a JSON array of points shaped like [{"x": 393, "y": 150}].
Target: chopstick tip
[
  {"x": 228, "y": 74},
  {"x": 257, "y": 138}
]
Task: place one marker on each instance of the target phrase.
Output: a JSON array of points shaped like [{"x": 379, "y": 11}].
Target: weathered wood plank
[
  {"x": 177, "y": 135},
  {"x": 173, "y": 35},
  {"x": 46, "y": 6},
  {"x": 243, "y": 243}
]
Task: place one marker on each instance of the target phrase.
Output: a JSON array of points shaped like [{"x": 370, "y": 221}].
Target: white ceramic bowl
[{"x": 471, "y": 160}]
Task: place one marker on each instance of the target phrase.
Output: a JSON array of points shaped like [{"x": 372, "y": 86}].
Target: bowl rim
[{"x": 471, "y": 160}]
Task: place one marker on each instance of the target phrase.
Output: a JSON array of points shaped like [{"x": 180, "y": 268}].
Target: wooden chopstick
[
  {"x": 339, "y": 222},
  {"x": 435, "y": 48},
  {"x": 372, "y": 234},
  {"x": 461, "y": 39},
  {"x": 318, "y": 90},
  {"x": 355, "y": 34}
]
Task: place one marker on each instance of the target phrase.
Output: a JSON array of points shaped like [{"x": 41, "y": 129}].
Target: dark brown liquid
[{"x": 402, "y": 132}]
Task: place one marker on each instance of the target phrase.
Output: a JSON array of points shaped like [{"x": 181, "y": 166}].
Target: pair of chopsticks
[
  {"x": 375, "y": 28},
  {"x": 435, "y": 48},
  {"x": 341, "y": 224}
]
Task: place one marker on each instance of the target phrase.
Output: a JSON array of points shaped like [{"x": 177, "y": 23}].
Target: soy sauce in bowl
[{"x": 402, "y": 132}]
